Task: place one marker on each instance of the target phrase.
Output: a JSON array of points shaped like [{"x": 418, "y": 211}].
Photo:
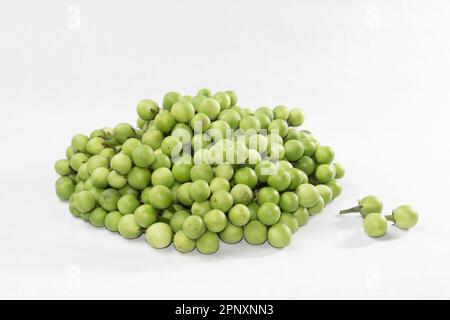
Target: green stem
[
  {"x": 390, "y": 217},
  {"x": 354, "y": 209}
]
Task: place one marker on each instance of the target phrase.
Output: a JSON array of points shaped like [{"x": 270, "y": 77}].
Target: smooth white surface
[{"x": 372, "y": 77}]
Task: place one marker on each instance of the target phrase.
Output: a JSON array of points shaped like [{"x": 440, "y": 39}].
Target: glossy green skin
[
  {"x": 324, "y": 154},
  {"x": 153, "y": 138},
  {"x": 165, "y": 121},
  {"x": 218, "y": 130},
  {"x": 208, "y": 243},
  {"x": 127, "y": 204},
  {"x": 200, "y": 123},
  {"x": 95, "y": 145},
  {"x": 239, "y": 215},
  {"x": 85, "y": 216},
  {"x": 122, "y": 132},
  {"x": 306, "y": 164},
  {"x": 263, "y": 119},
  {"x": 163, "y": 177},
  {"x": 302, "y": 216},
  {"x": 202, "y": 172},
  {"x": 269, "y": 213},
  {"x": 183, "y": 111},
  {"x": 145, "y": 215},
  {"x": 170, "y": 98},
  {"x": 127, "y": 190},
  {"x": 375, "y": 225},
  {"x": 257, "y": 142},
  {"x": 62, "y": 167},
  {"x": 182, "y": 172},
  {"x": 171, "y": 146},
  {"x": 64, "y": 190},
  {"x": 83, "y": 173},
  {"x": 297, "y": 178},
  {"x": 147, "y": 109},
  {"x": 279, "y": 235},
  {"x": 215, "y": 220},
  {"x": 335, "y": 188},
  {"x": 121, "y": 163},
  {"x": 405, "y": 217},
  {"x": 325, "y": 192},
  {"x": 292, "y": 134},
  {"x": 293, "y": 150},
  {"x": 224, "y": 100},
  {"x": 296, "y": 117},
  {"x": 204, "y": 92},
  {"x": 166, "y": 216},
  {"x": 112, "y": 221},
  {"x": 145, "y": 194},
  {"x": 108, "y": 199},
  {"x": 370, "y": 204},
  {"x": 268, "y": 194},
  {"x": 77, "y": 160},
  {"x": 241, "y": 193},
  {"x": 97, "y": 217},
  {"x": 325, "y": 173},
  {"x": 97, "y": 161},
  {"x": 308, "y": 195},
  {"x": 79, "y": 143},
  {"x": 289, "y": 202},
  {"x": 232, "y": 234},
  {"x": 199, "y": 190},
  {"x": 85, "y": 201},
  {"x": 266, "y": 111},
  {"x": 160, "y": 197},
  {"x": 161, "y": 161},
  {"x": 231, "y": 117},
  {"x": 116, "y": 180},
  {"x": 221, "y": 200},
  {"x": 182, "y": 243},
  {"x": 233, "y": 97},
  {"x": 177, "y": 220},
  {"x": 290, "y": 221},
  {"x": 219, "y": 183},
  {"x": 340, "y": 171},
  {"x": 183, "y": 132},
  {"x": 139, "y": 178},
  {"x": 264, "y": 170},
  {"x": 280, "y": 180},
  {"x": 99, "y": 178},
  {"x": 159, "y": 235},
  {"x": 309, "y": 146},
  {"x": 281, "y": 112},
  {"x": 278, "y": 126},
  {"x": 253, "y": 208},
  {"x": 255, "y": 233},
  {"x": 210, "y": 107},
  {"x": 246, "y": 176},
  {"x": 69, "y": 152},
  {"x": 194, "y": 227},
  {"x": 249, "y": 124},
  {"x": 128, "y": 228},
  {"x": 143, "y": 156},
  {"x": 317, "y": 208},
  {"x": 183, "y": 194},
  {"x": 201, "y": 208}
]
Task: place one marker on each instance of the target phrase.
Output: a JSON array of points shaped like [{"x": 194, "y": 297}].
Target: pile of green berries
[
  {"x": 198, "y": 171},
  {"x": 375, "y": 224}
]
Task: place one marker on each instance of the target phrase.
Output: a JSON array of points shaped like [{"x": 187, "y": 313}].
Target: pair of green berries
[{"x": 375, "y": 224}]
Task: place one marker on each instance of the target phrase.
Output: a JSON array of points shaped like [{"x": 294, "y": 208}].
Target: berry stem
[
  {"x": 390, "y": 217},
  {"x": 354, "y": 209}
]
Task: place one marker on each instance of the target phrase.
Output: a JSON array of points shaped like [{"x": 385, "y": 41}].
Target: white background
[{"x": 372, "y": 77}]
